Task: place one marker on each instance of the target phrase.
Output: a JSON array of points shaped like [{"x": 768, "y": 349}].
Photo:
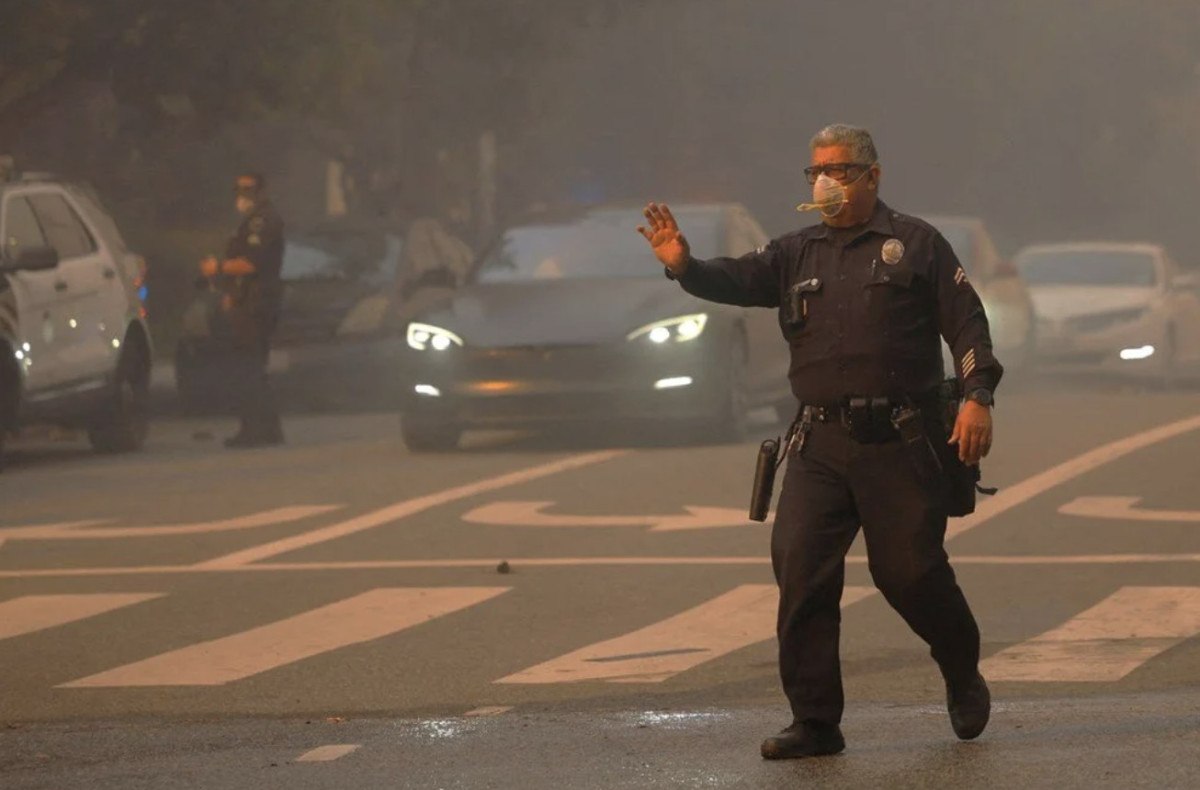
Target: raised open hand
[{"x": 668, "y": 243}]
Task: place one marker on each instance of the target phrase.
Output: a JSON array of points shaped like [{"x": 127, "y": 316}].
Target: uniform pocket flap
[{"x": 893, "y": 275}]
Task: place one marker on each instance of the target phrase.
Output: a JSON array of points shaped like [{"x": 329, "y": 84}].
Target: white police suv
[{"x": 75, "y": 349}]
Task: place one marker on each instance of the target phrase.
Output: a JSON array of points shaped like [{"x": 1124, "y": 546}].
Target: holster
[
  {"x": 925, "y": 431},
  {"x": 962, "y": 481},
  {"x": 910, "y": 424},
  {"x": 764, "y": 480}
]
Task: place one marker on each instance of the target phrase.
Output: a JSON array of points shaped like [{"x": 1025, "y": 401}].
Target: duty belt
[{"x": 869, "y": 420}]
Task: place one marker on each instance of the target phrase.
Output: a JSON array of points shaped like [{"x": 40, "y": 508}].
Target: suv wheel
[{"x": 123, "y": 422}]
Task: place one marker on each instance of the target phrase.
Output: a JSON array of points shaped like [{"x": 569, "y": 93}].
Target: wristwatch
[{"x": 981, "y": 395}]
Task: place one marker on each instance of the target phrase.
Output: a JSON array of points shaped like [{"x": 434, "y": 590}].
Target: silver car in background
[{"x": 1117, "y": 308}]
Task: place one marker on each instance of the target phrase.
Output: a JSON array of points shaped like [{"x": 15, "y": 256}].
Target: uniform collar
[{"x": 880, "y": 222}]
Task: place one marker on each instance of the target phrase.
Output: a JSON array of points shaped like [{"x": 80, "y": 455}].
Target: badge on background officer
[
  {"x": 248, "y": 277},
  {"x": 865, "y": 299}
]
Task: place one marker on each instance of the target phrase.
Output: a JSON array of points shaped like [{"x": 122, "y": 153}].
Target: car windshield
[
  {"x": 600, "y": 244},
  {"x": 1087, "y": 267},
  {"x": 359, "y": 256}
]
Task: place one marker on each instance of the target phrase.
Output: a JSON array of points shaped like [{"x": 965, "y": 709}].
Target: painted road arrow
[
  {"x": 532, "y": 514},
  {"x": 91, "y": 530},
  {"x": 1124, "y": 508}
]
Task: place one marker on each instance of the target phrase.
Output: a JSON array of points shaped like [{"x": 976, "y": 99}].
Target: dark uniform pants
[
  {"x": 836, "y": 485},
  {"x": 254, "y": 397}
]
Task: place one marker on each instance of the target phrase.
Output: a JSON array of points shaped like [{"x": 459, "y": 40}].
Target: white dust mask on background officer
[{"x": 246, "y": 193}]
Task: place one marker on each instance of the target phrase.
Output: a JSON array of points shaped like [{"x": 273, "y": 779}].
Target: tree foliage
[{"x": 229, "y": 58}]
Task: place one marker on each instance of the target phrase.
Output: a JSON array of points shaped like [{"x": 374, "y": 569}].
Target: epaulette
[{"x": 908, "y": 219}]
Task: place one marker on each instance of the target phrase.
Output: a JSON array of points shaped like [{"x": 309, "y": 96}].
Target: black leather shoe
[
  {"x": 804, "y": 739},
  {"x": 970, "y": 705}
]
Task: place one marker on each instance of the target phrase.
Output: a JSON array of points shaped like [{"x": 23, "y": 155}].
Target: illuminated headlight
[
  {"x": 1140, "y": 352},
  {"x": 424, "y": 336},
  {"x": 673, "y": 383},
  {"x": 679, "y": 330}
]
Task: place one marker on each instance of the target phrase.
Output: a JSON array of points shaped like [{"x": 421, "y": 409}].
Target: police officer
[
  {"x": 865, "y": 298},
  {"x": 248, "y": 278}
]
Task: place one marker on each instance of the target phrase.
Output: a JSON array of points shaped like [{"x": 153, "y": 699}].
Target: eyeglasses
[{"x": 838, "y": 171}]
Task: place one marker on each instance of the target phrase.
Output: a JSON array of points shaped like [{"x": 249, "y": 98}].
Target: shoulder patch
[{"x": 960, "y": 276}]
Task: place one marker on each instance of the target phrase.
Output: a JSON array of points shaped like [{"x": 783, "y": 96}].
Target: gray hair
[{"x": 857, "y": 139}]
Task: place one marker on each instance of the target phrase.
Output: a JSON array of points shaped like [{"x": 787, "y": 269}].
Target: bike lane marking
[
  {"x": 990, "y": 508},
  {"x": 84, "y": 530},
  {"x": 404, "y": 509},
  {"x": 1019, "y": 493}
]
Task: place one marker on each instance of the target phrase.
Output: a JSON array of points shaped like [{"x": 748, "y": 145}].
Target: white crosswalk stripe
[
  {"x": 1105, "y": 642},
  {"x": 364, "y": 617},
  {"x": 31, "y": 613},
  {"x": 740, "y": 617}
]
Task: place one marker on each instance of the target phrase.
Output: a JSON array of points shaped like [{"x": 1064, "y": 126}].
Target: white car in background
[
  {"x": 1005, "y": 298},
  {"x": 1108, "y": 307}
]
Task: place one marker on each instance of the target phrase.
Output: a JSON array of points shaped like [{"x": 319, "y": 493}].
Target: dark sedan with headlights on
[{"x": 568, "y": 318}]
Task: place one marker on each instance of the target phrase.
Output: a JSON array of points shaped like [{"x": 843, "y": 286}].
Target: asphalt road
[{"x": 334, "y": 612}]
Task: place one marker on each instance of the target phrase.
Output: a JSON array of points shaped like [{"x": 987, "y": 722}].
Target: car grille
[
  {"x": 549, "y": 362},
  {"x": 1078, "y": 358},
  {"x": 1101, "y": 321}
]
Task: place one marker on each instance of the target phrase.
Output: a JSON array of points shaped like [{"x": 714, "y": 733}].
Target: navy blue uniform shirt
[{"x": 879, "y": 299}]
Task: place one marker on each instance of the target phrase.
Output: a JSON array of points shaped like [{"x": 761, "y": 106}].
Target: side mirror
[{"x": 33, "y": 259}]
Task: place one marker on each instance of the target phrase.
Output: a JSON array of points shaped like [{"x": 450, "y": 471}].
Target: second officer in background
[{"x": 248, "y": 278}]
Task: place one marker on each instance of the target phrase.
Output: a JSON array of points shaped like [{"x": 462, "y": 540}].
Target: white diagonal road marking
[
  {"x": 79, "y": 531},
  {"x": 1030, "y": 487},
  {"x": 741, "y": 617},
  {"x": 37, "y": 612},
  {"x": 7, "y": 533},
  {"x": 403, "y": 509},
  {"x": 532, "y": 514},
  {"x": 1106, "y": 642},
  {"x": 324, "y": 754},
  {"x": 364, "y": 617},
  {"x": 1124, "y": 508}
]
